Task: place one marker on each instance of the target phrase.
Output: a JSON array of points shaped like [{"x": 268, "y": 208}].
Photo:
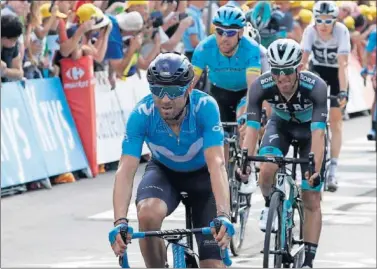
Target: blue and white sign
[
  {"x": 54, "y": 126},
  {"x": 21, "y": 158}
]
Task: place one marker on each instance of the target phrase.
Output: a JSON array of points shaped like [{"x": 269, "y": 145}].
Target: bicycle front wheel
[
  {"x": 270, "y": 256},
  {"x": 244, "y": 201}
]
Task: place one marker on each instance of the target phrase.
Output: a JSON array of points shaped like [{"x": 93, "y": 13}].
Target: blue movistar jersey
[
  {"x": 371, "y": 45},
  {"x": 200, "y": 130},
  {"x": 228, "y": 73}
]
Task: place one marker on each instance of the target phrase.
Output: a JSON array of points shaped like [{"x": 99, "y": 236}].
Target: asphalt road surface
[{"x": 68, "y": 225}]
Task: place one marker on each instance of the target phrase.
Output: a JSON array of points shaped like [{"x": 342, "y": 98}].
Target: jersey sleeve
[
  {"x": 135, "y": 132},
  {"x": 198, "y": 59},
  {"x": 307, "y": 39},
  {"x": 254, "y": 62},
  {"x": 209, "y": 113},
  {"x": 255, "y": 97},
  {"x": 318, "y": 96},
  {"x": 371, "y": 45},
  {"x": 344, "y": 41}
]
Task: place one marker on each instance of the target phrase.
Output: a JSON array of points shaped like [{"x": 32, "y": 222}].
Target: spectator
[
  {"x": 155, "y": 22},
  {"x": 287, "y": 20},
  {"x": 40, "y": 22},
  {"x": 346, "y": 8},
  {"x": 19, "y": 9},
  {"x": 114, "y": 7},
  {"x": 138, "y": 6},
  {"x": 67, "y": 7},
  {"x": 131, "y": 25},
  {"x": 126, "y": 25},
  {"x": 88, "y": 37},
  {"x": 91, "y": 23},
  {"x": 302, "y": 20},
  {"x": 11, "y": 61},
  {"x": 237, "y": 3},
  {"x": 95, "y": 41},
  {"x": 196, "y": 32},
  {"x": 214, "y": 7}
]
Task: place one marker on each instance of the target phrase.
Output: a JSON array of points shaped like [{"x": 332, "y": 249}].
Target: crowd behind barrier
[{"x": 68, "y": 85}]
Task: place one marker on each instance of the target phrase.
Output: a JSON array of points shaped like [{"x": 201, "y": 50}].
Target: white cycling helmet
[
  {"x": 326, "y": 8},
  {"x": 251, "y": 32},
  {"x": 284, "y": 53}
]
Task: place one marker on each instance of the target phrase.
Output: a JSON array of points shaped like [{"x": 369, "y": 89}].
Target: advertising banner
[
  {"x": 110, "y": 121},
  {"x": 78, "y": 83},
  {"x": 360, "y": 95},
  {"x": 21, "y": 156},
  {"x": 54, "y": 127}
]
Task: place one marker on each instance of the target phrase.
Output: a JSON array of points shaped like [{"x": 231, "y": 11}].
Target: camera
[
  {"x": 182, "y": 16},
  {"x": 157, "y": 19}
]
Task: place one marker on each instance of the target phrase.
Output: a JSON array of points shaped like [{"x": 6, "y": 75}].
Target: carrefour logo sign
[{"x": 75, "y": 73}]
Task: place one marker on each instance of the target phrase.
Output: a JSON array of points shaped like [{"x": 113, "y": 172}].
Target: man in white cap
[{"x": 124, "y": 45}]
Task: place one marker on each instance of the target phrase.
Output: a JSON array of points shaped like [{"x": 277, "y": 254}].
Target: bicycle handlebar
[
  {"x": 278, "y": 160},
  {"x": 139, "y": 235},
  {"x": 229, "y": 124}
]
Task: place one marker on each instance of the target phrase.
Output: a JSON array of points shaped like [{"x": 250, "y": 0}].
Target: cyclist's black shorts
[
  {"x": 227, "y": 101},
  {"x": 330, "y": 76},
  {"x": 278, "y": 137},
  {"x": 163, "y": 183}
]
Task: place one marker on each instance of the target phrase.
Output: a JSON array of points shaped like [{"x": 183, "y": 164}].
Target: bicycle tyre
[
  {"x": 275, "y": 208},
  {"x": 242, "y": 217},
  {"x": 299, "y": 259},
  {"x": 234, "y": 202}
]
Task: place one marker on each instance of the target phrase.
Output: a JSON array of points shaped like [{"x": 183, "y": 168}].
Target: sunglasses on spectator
[
  {"x": 321, "y": 21},
  {"x": 283, "y": 71},
  {"x": 172, "y": 92},
  {"x": 226, "y": 32}
]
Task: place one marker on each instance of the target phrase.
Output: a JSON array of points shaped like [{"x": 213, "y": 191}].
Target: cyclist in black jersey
[{"x": 299, "y": 104}]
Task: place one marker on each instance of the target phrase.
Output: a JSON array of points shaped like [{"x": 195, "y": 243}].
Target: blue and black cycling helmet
[
  {"x": 261, "y": 15},
  {"x": 170, "y": 69},
  {"x": 229, "y": 16}
]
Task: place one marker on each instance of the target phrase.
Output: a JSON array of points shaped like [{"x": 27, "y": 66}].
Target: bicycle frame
[
  {"x": 289, "y": 200},
  {"x": 289, "y": 195}
]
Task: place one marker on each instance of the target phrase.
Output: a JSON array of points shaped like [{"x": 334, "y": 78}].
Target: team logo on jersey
[
  {"x": 143, "y": 109},
  {"x": 307, "y": 79},
  {"x": 307, "y": 82},
  {"x": 266, "y": 80},
  {"x": 202, "y": 101},
  {"x": 194, "y": 149},
  {"x": 296, "y": 107}
]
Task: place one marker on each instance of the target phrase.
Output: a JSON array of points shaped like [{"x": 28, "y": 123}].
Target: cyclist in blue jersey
[
  {"x": 367, "y": 61},
  {"x": 267, "y": 21},
  {"x": 182, "y": 128},
  {"x": 299, "y": 102},
  {"x": 233, "y": 61}
]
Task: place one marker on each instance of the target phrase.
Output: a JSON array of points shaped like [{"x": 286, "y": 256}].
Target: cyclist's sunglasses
[
  {"x": 283, "y": 71},
  {"x": 172, "y": 92},
  {"x": 321, "y": 21},
  {"x": 226, "y": 32}
]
